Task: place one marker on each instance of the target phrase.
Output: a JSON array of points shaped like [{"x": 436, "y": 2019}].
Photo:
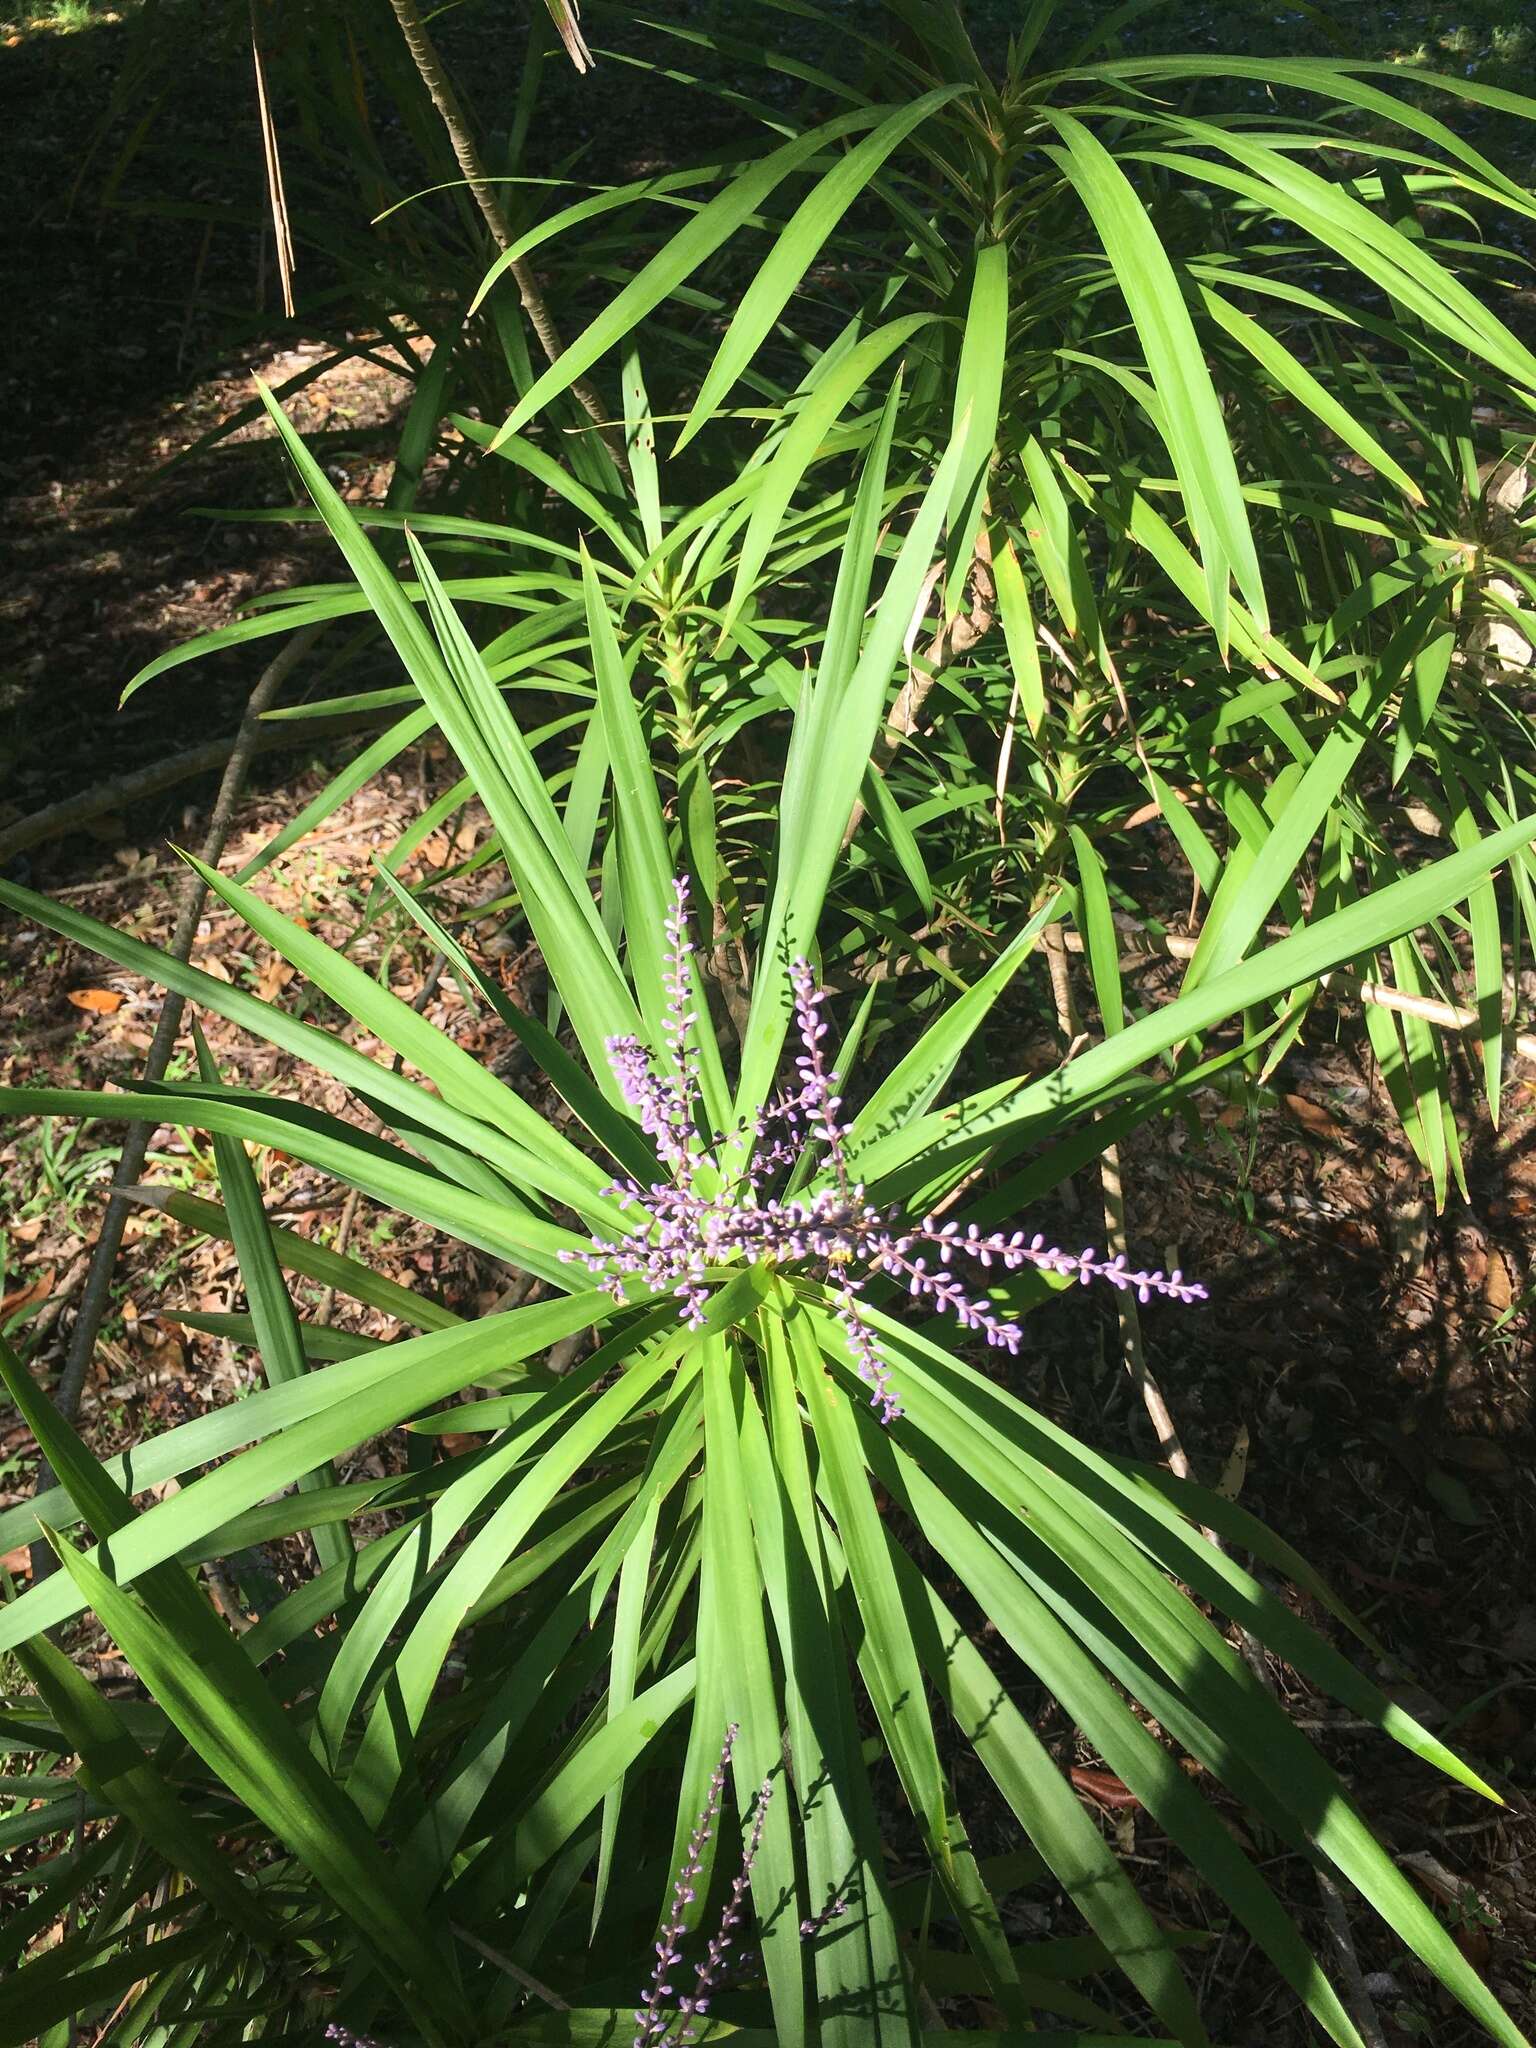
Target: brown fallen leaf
[
  {"x": 1474, "y": 1942},
  {"x": 17, "y": 1562},
  {"x": 1433, "y": 1876},
  {"x": 273, "y": 979},
  {"x": 101, "y": 1002},
  {"x": 1316, "y": 1122},
  {"x": 1103, "y": 1787},
  {"x": 1494, "y": 1731},
  {"x": 28, "y": 1232},
  {"x": 1235, "y": 1471},
  {"x": 1400, "y": 1589},
  {"x": 37, "y": 1289},
  {"x": 1497, "y": 1291},
  {"x": 1475, "y": 1454}
]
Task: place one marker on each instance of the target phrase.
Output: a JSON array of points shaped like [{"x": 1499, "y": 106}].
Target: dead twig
[
  {"x": 1357, "y": 2000},
  {"x": 282, "y": 228},
  {"x": 57, "y": 819},
  {"x": 98, "y": 1280},
  {"x": 59, "y": 1300},
  {"x": 517, "y": 1974},
  {"x": 1174, "y": 1455}
]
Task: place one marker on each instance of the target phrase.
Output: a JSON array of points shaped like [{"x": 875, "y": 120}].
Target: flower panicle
[{"x": 681, "y": 1235}]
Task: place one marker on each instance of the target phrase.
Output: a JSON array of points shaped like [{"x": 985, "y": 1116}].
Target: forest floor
[{"x": 1363, "y": 1377}]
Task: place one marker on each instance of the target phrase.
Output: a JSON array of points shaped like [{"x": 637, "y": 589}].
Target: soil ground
[{"x": 1362, "y": 1376}]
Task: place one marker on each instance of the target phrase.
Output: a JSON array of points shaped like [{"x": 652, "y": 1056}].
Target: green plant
[
  {"x": 1240, "y": 507},
  {"x": 1242, "y": 462},
  {"x": 466, "y": 1752}
]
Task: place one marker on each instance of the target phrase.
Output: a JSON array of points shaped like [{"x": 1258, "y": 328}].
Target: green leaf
[
  {"x": 1099, "y": 931},
  {"x": 804, "y": 438},
  {"x": 296, "y": 1254},
  {"x": 978, "y": 1123},
  {"x": 1192, "y": 419},
  {"x": 834, "y": 735},
  {"x": 676, "y": 262},
  {"x": 774, "y": 279},
  {"x": 731, "y": 1629},
  {"x": 1292, "y": 376},
  {"x": 213, "y": 1694},
  {"x": 976, "y": 407},
  {"x": 314, "y": 1418},
  {"x": 278, "y": 1338},
  {"x": 1019, "y": 634}
]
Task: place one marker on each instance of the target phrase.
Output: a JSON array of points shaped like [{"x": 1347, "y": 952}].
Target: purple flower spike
[
  {"x": 652, "y": 2023},
  {"x": 835, "y": 1231}
]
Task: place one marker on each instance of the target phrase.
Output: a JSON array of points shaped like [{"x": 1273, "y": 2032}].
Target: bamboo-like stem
[{"x": 446, "y": 100}]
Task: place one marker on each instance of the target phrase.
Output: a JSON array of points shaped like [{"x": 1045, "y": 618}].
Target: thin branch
[
  {"x": 98, "y": 1281},
  {"x": 1357, "y": 1999},
  {"x": 1175, "y": 1457},
  {"x": 67, "y": 816},
  {"x": 513, "y": 1970}
]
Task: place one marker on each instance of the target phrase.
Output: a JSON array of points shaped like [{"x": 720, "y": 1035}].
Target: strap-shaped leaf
[
  {"x": 276, "y": 1327},
  {"x": 977, "y": 406},
  {"x": 844, "y": 1854},
  {"x": 317, "y": 1417},
  {"x": 803, "y": 440},
  {"x": 646, "y": 863},
  {"x": 981, "y": 1121},
  {"x": 296, "y": 1254},
  {"x": 1045, "y": 1645},
  {"x": 800, "y": 241},
  {"x": 1192, "y": 417},
  {"x": 1044, "y": 1803},
  {"x": 118, "y": 1771},
  {"x": 834, "y": 734},
  {"x": 676, "y": 262},
  {"x": 731, "y": 1628},
  {"x": 211, "y": 1692}
]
